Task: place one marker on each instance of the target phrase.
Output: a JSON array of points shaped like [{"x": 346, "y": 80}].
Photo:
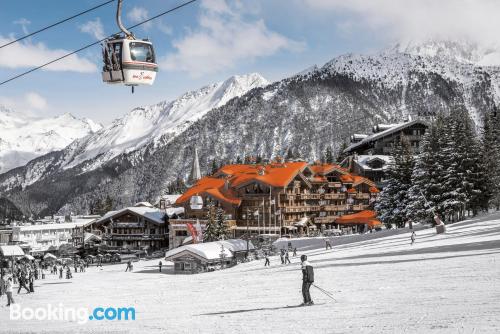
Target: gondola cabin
[{"x": 129, "y": 61}]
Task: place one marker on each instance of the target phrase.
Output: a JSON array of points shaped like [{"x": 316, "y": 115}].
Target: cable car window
[{"x": 142, "y": 52}]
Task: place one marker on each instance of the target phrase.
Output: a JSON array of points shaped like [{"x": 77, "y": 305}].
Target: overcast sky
[{"x": 210, "y": 41}]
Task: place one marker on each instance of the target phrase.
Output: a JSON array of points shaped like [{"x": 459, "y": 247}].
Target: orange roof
[
  {"x": 359, "y": 179},
  {"x": 373, "y": 190},
  {"x": 323, "y": 169},
  {"x": 362, "y": 217},
  {"x": 351, "y": 190},
  {"x": 276, "y": 175},
  {"x": 346, "y": 178}
]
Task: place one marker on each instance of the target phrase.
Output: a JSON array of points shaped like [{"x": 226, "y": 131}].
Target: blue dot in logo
[{"x": 91, "y": 318}]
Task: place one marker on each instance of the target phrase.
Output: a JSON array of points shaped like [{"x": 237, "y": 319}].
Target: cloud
[
  {"x": 139, "y": 14},
  {"x": 24, "y": 23},
  {"x": 224, "y": 38},
  {"x": 36, "y": 101},
  {"x": 419, "y": 20},
  {"x": 29, "y": 104},
  {"x": 27, "y": 55},
  {"x": 93, "y": 28}
]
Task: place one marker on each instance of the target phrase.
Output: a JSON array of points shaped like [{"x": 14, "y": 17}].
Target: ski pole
[{"x": 324, "y": 292}]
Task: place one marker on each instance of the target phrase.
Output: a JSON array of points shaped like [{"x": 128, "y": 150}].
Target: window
[
  {"x": 142, "y": 52},
  {"x": 181, "y": 233}
]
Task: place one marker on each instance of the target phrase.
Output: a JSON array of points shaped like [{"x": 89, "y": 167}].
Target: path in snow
[{"x": 443, "y": 284}]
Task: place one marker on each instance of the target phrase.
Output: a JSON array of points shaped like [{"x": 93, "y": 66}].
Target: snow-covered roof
[
  {"x": 171, "y": 198},
  {"x": 211, "y": 250},
  {"x": 364, "y": 160},
  {"x": 143, "y": 204},
  {"x": 11, "y": 251},
  {"x": 152, "y": 214},
  {"x": 381, "y": 134},
  {"x": 174, "y": 211},
  {"x": 55, "y": 226}
]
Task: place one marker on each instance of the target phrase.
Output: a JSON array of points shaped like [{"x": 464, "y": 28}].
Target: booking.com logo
[{"x": 80, "y": 315}]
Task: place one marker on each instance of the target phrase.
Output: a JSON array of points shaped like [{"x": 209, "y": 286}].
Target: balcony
[
  {"x": 325, "y": 220},
  {"x": 127, "y": 225},
  {"x": 310, "y": 196},
  {"x": 334, "y": 196},
  {"x": 362, "y": 196},
  {"x": 288, "y": 196},
  {"x": 360, "y": 207},
  {"x": 335, "y": 207},
  {"x": 335, "y": 184},
  {"x": 140, "y": 237}
]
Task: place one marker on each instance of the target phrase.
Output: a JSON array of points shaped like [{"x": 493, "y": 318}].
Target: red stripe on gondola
[{"x": 140, "y": 63}]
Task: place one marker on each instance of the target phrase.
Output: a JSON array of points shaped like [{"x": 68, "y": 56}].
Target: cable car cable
[
  {"x": 94, "y": 43},
  {"x": 57, "y": 23}
]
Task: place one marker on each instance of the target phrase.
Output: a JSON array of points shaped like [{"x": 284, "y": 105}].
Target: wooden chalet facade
[
  {"x": 371, "y": 155},
  {"x": 282, "y": 198},
  {"x": 135, "y": 228}
]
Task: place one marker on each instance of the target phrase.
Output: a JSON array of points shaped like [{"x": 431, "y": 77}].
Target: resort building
[
  {"x": 371, "y": 155},
  {"x": 282, "y": 197},
  {"x": 141, "y": 227}
]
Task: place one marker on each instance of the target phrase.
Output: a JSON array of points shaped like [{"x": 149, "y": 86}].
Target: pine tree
[
  {"x": 329, "y": 155},
  {"x": 491, "y": 158},
  {"x": 221, "y": 230},
  {"x": 215, "y": 168},
  {"x": 210, "y": 233},
  {"x": 394, "y": 200},
  {"x": 341, "y": 155}
]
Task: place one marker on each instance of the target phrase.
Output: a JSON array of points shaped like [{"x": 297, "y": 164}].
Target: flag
[
  {"x": 199, "y": 231},
  {"x": 192, "y": 230}
]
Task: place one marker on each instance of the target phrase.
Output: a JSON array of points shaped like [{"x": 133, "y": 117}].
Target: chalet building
[
  {"x": 282, "y": 198},
  {"x": 190, "y": 259},
  {"x": 371, "y": 155},
  {"x": 139, "y": 227}
]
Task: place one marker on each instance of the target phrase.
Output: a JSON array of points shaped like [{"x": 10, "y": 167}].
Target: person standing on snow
[
  {"x": 8, "y": 291},
  {"x": 267, "y": 263},
  {"x": 159, "y": 265},
  {"x": 328, "y": 244},
  {"x": 287, "y": 257},
  {"x": 282, "y": 256},
  {"x": 295, "y": 251},
  {"x": 413, "y": 235},
  {"x": 307, "y": 280}
]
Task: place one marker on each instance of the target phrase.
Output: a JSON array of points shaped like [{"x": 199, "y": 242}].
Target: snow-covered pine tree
[
  {"x": 425, "y": 173},
  {"x": 394, "y": 200},
  {"x": 329, "y": 155},
  {"x": 221, "y": 229},
  {"x": 211, "y": 233},
  {"x": 453, "y": 201},
  {"x": 491, "y": 157}
]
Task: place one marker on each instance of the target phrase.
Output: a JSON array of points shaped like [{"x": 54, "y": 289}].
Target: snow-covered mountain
[
  {"x": 304, "y": 114},
  {"x": 144, "y": 125},
  {"x": 23, "y": 138}
]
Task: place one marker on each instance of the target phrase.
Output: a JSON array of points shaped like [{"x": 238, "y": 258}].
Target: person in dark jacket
[
  {"x": 267, "y": 263},
  {"x": 307, "y": 280},
  {"x": 22, "y": 282},
  {"x": 159, "y": 265},
  {"x": 287, "y": 257}
]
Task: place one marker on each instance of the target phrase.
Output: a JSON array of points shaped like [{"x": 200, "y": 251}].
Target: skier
[
  {"x": 22, "y": 282},
  {"x": 2, "y": 284},
  {"x": 8, "y": 291},
  {"x": 287, "y": 257},
  {"x": 295, "y": 251},
  {"x": 328, "y": 244},
  {"x": 129, "y": 266},
  {"x": 60, "y": 272},
  {"x": 159, "y": 265},
  {"x": 31, "y": 280},
  {"x": 282, "y": 256},
  {"x": 413, "y": 235},
  {"x": 307, "y": 280},
  {"x": 267, "y": 263},
  {"x": 68, "y": 273}
]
